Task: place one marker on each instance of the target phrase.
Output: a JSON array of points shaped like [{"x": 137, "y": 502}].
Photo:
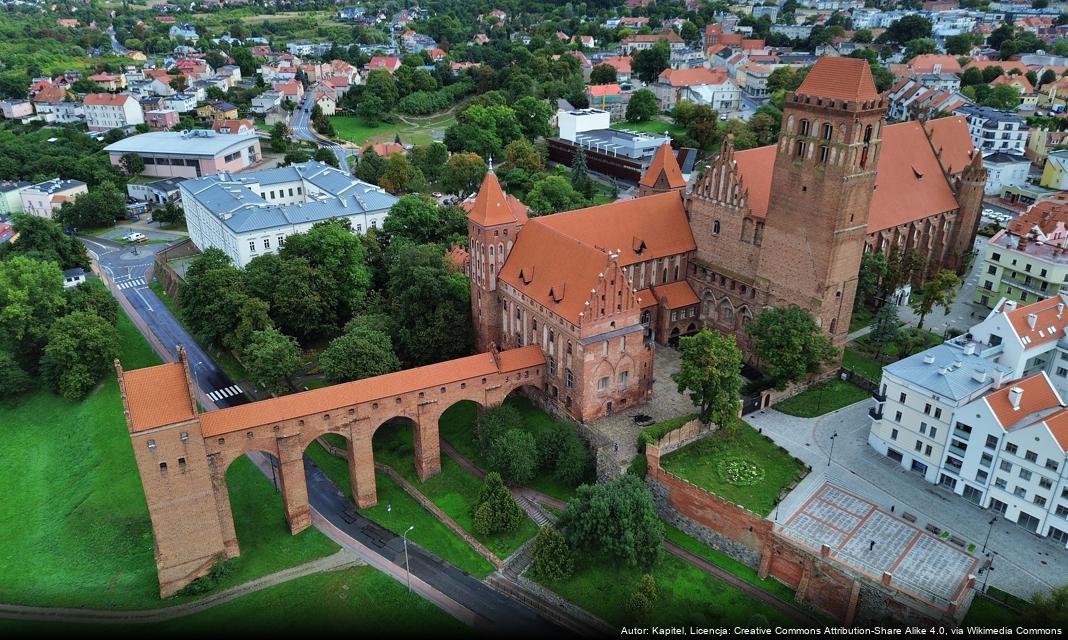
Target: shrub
[
  {"x": 553, "y": 560},
  {"x": 494, "y": 422},
  {"x": 641, "y": 603},
  {"x": 549, "y": 443},
  {"x": 204, "y": 584},
  {"x": 615, "y": 520},
  {"x": 513, "y": 455},
  {"x": 495, "y": 511},
  {"x": 572, "y": 461}
]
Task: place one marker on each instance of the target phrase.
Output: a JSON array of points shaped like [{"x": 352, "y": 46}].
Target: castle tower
[
  {"x": 823, "y": 180},
  {"x": 663, "y": 173},
  {"x": 493, "y": 220},
  {"x": 970, "y": 188}
]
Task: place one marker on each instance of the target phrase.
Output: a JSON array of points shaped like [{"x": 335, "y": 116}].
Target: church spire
[{"x": 663, "y": 173}]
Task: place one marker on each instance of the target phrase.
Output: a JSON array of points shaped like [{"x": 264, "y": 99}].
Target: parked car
[{"x": 135, "y": 236}]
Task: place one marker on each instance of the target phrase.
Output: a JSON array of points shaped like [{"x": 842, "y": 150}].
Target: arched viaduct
[{"x": 182, "y": 454}]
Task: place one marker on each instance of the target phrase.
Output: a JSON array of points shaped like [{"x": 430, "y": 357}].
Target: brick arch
[{"x": 192, "y": 520}]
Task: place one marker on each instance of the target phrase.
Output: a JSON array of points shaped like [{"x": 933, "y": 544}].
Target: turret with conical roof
[
  {"x": 663, "y": 173},
  {"x": 494, "y": 218}
]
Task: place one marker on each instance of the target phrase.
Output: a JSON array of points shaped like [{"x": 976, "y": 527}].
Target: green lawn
[
  {"x": 862, "y": 317},
  {"x": 226, "y": 360},
  {"x": 429, "y": 533},
  {"x": 710, "y": 463},
  {"x": 454, "y": 490},
  {"x": 356, "y": 129},
  {"x": 335, "y": 602},
  {"x": 652, "y": 126},
  {"x": 985, "y": 612},
  {"x": 457, "y": 427},
  {"x": 723, "y": 561},
  {"x": 861, "y": 363},
  {"x": 687, "y": 596},
  {"x": 823, "y": 398},
  {"x": 83, "y": 537}
]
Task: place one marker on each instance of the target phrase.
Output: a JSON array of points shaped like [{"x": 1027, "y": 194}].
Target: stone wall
[
  {"x": 164, "y": 273},
  {"x": 690, "y": 432}
]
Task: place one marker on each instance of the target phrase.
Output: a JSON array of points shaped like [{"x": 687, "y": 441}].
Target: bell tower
[
  {"x": 824, "y": 179},
  {"x": 493, "y": 221}
]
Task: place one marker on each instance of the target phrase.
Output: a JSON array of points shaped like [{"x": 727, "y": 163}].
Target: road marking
[
  {"x": 143, "y": 299},
  {"x": 228, "y": 392},
  {"x": 137, "y": 282}
]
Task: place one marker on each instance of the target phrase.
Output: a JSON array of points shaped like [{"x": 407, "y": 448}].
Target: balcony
[
  {"x": 1035, "y": 286},
  {"x": 955, "y": 450},
  {"x": 963, "y": 435},
  {"x": 879, "y": 395},
  {"x": 875, "y": 413}
]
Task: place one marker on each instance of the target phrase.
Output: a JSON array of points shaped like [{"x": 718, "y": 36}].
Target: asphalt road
[
  {"x": 302, "y": 130},
  {"x": 127, "y": 270},
  {"x": 500, "y": 613}
]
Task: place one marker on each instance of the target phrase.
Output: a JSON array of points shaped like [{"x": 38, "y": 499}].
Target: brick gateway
[{"x": 183, "y": 454}]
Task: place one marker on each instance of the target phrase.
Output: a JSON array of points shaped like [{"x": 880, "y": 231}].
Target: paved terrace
[{"x": 919, "y": 563}]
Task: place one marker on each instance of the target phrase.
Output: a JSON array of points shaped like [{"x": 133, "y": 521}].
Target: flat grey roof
[
  {"x": 949, "y": 375},
  {"x": 198, "y": 142},
  {"x": 233, "y": 201}
]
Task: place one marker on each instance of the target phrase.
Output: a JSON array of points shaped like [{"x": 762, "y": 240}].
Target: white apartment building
[
  {"x": 105, "y": 111},
  {"x": 983, "y": 414},
  {"x": 1005, "y": 170},
  {"x": 251, "y": 214},
  {"x": 993, "y": 131}
]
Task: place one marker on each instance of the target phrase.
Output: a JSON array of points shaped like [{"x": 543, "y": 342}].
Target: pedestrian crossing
[
  {"x": 137, "y": 282},
  {"x": 219, "y": 394}
]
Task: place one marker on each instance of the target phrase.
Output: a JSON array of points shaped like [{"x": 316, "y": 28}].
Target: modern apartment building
[
  {"x": 1026, "y": 261},
  {"x": 983, "y": 415},
  {"x": 105, "y": 111},
  {"x": 44, "y": 198},
  {"x": 993, "y": 131}
]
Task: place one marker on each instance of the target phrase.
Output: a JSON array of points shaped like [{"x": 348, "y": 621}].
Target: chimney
[
  {"x": 1060, "y": 310},
  {"x": 928, "y": 359},
  {"x": 998, "y": 377},
  {"x": 969, "y": 349},
  {"x": 979, "y": 375},
  {"x": 1032, "y": 318},
  {"x": 1010, "y": 305},
  {"x": 1015, "y": 395},
  {"x": 943, "y": 371}
]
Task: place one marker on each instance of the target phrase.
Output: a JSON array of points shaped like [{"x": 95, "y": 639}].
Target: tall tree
[
  {"x": 399, "y": 174},
  {"x": 884, "y": 328},
  {"x": 81, "y": 349},
  {"x": 873, "y": 268},
  {"x": 580, "y": 174},
  {"x": 711, "y": 372},
  {"x": 789, "y": 344},
  {"x": 603, "y": 74},
  {"x": 940, "y": 291},
  {"x": 362, "y": 352},
  {"x": 338, "y": 258},
  {"x": 430, "y": 159},
  {"x": 615, "y": 521},
  {"x": 643, "y": 105},
  {"x": 420, "y": 220},
  {"x": 272, "y": 359},
  {"x": 495, "y": 511},
  {"x": 280, "y": 137},
  {"x": 553, "y": 194},
  {"x": 94, "y": 297},
  {"x": 43, "y": 239},
  {"x": 430, "y": 306},
  {"x": 370, "y": 167},
  {"x": 648, "y": 64},
  {"x": 463, "y": 173},
  {"x": 31, "y": 298}
]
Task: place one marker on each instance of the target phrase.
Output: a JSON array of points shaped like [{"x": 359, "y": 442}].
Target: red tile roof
[
  {"x": 756, "y": 166},
  {"x": 109, "y": 99},
  {"x": 664, "y": 162},
  {"x": 1058, "y": 428},
  {"x": 675, "y": 295},
  {"x": 157, "y": 396},
  {"x": 324, "y": 400},
  {"x": 620, "y": 63},
  {"x": 601, "y": 90},
  {"x": 927, "y": 63},
  {"x": 688, "y": 77},
  {"x": 1038, "y": 395},
  {"x": 491, "y": 207},
  {"x": 840, "y": 78},
  {"x": 950, "y": 135},
  {"x": 1050, "y": 322}
]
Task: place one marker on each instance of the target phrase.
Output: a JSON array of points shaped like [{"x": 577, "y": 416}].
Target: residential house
[
  {"x": 217, "y": 111},
  {"x": 641, "y": 42},
  {"x": 161, "y": 119},
  {"x": 1026, "y": 261},
  {"x": 181, "y": 102},
  {"x": 73, "y": 277},
  {"x": 755, "y": 83},
  {"x": 1055, "y": 171},
  {"x": 243, "y": 125},
  {"x": 104, "y": 111},
  {"x": 11, "y": 196},
  {"x": 704, "y": 86},
  {"x": 44, "y": 198},
  {"x": 184, "y": 31},
  {"x": 20, "y": 110},
  {"x": 389, "y": 63},
  {"x": 1040, "y": 141},
  {"x": 109, "y": 82},
  {"x": 1005, "y": 170},
  {"x": 292, "y": 90},
  {"x": 158, "y": 192},
  {"x": 993, "y": 130},
  {"x": 266, "y": 101},
  {"x": 622, "y": 65},
  {"x": 610, "y": 98}
]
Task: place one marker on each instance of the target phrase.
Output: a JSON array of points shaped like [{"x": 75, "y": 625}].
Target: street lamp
[
  {"x": 196, "y": 377},
  {"x": 989, "y": 531},
  {"x": 407, "y": 570},
  {"x": 833, "y": 436}
]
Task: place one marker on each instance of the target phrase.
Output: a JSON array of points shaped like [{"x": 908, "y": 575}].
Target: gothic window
[
  {"x": 828, "y": 131},
  {"x": 758, "y": 233},
  {"x": 709, "y": 305},
  {"x": 801, "y": 148},
  {"x": 726, "y": 313},
  {"x": 803, "y": 127},
  {"x": 715, "y": 227},
  {"x": 864, "y": 150},
  {"x": 747, "y": 229},
  {"x": 569, "y": 379},
  {"x": 645, "y": 317}
]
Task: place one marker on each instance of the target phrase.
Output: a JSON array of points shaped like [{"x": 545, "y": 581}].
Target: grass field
[
  {"x": 428, "y": 533},
  {"x": 83, "y": 536},
  {"x": 823, "y": 398},
  {"x": 355, "y": 129},
  {"x": 985, "y": 612},
  {"x": 335, "y": 602},
  {"x": 723, "y": 561},
  {"x": 863, "y": 364},
  {"x": 457, "y": 427},
  {"x": 687, "y": 596},
  {"x": 454, "y": 490},
  {"x": 709, "y": 463}
]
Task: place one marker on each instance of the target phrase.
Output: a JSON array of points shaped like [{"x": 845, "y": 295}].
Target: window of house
[
  {"x": 1052, "y": 465},
  {"x": 1005, "y": 465},
  {"x": 927, "y": 451},
  {"x": 938, "y": 412},
  {"x": 934, "y": 432},
  {"x": 674, "y": 316},
  {"x": 923, "y": 428},
  {"x": 266, "y": 243},
  {"x": 991, "y": 442},
  {"x": 1039, "y": 500},
  {"x": 252, "y": 245},
  {"x": 569, "y": 379},
  {"x": 1000, "y": 483},
  {"x": 986, "y": 460},
  {"x": 602, "y": 384},
  {"x": 893, "y": 434},
  {"x": 1025, "y": 474},
  {"x": 897, "y": 417},
  {"x": 825, "y": 152},
  {"x": 1045, "y": 482},
  {"x": 715, "y": 227},
  {"x": 1011, "y": 448},
  {"x": 901, "y": 398},
  {"x": 1019, "y": 492},
  {"x": 1062, "y": 511},
  {"x": 927, "y": 409},
  {"x": 624, "y": 377},
  {"x": 1031, "y": 456},
  {"x": 991, "y": 269},
  {"x": 919, "y": 446}
]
